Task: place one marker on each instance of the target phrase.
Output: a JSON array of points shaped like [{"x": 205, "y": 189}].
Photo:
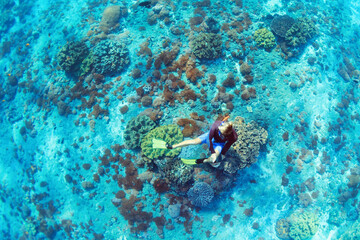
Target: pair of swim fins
[{"x": 157, "y": 143}]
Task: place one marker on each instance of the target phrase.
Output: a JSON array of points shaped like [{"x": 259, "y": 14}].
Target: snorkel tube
[{"x": 224, "y": 119}]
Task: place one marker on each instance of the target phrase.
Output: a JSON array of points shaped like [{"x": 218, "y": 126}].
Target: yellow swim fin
[
  {"x": 157, "y": 143},
  {"x": 192, "y": 161}
]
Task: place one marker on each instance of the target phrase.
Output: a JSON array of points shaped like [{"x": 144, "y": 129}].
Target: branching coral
[
  {"x": 206, "y": 46},
  {"x": 136, "y": 129},
  {"x": 169, "y": 133},
  {"x": 264, "y": 38}
]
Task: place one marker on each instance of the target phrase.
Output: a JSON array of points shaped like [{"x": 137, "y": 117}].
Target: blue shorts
[{"x": 205, "y": 139}]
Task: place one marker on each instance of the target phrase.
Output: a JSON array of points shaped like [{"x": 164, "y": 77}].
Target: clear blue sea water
[{"x": 86, "y": 85}]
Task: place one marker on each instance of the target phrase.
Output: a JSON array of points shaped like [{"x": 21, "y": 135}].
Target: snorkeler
[{"x": 219, "y": 138}]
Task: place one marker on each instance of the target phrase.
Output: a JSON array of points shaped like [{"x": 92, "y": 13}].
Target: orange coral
[
  {"x": 188, "y": 94},
  {"x": 192, "y": 73},
  {"x": 170, "y": 96},
  {"x": 190, "y": 127}
]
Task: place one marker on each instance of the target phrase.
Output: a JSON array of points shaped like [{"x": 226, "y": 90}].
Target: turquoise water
[{"x": 86, "y": 86}]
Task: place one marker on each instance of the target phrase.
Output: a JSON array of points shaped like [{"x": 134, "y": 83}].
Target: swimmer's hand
[{"x": 211, "y": 159}]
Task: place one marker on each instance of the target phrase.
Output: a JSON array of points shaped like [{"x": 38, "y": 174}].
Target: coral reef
[
  {"x": 281, "y": 24},
  {"x": 136, "y": 129},
  {"x": 245, "y": 150},
  {"x": 303, "y": 225},
  {"x": 264, "y": 38},
  {"x": 200, "y": 194},
  {"x": 206, "y": 46},
  {"x": 170, "y": 134},
  {"x": 300, "y": 32},
  {"x": 336, "y": 217},
  {"x": 7, "y": 19},
  {"x": 353, "y": 232},
  {"x": 71, "y": 55},
  {"x": 110, "y": 57}
]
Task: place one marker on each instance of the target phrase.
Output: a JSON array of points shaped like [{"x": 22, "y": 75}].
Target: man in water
[{"x": 219, "y": 139}]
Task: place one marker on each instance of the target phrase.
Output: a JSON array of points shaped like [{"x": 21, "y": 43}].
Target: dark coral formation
[
  {"x": 107, "y": 57},
  {"x": 200, "y": 194},
  {"x": 206, "y": 46},
  {"x": 246, "y": 149},
  {"x": 212, "y": 26},
  {"x": 281, "y": 24},
  {"x": 71, "y": 56},
  {"x": 110, "y": 57},
  {"x": 136, "y": 129}
]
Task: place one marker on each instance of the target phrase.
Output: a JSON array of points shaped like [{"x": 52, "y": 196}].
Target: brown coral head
[
  {"x": 245, "y": 95},
  {"x": 161, "y": 185}
]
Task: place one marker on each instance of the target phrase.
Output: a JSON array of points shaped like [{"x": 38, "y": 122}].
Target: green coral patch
[
  {"x": 206, "y": 46},
  {"x": 170, "y": 133},
  {"x": 303, "y": 225},
  {"x": 264, "y": 38},
  {"x": 87, "y": 64}
]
